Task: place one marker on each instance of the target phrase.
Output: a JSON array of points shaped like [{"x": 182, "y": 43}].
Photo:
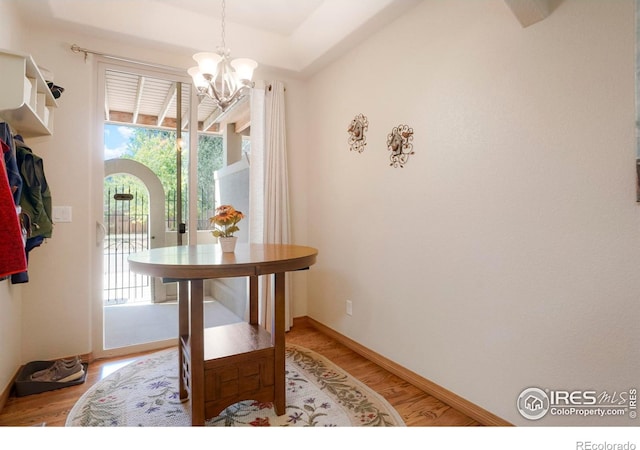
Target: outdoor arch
[
  {"x": 156, "y": 194},
  {"x": 157, "y": 199}
]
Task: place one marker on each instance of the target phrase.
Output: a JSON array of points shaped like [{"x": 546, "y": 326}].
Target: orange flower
[{"x": 225, "y": 220}]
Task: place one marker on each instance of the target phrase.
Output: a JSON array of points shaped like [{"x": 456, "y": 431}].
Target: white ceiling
[
  {"x": 275, "y": 16},
  {"x": 298, "y": 36}
]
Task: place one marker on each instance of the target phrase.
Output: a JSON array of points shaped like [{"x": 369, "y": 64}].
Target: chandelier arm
[
  {"x": 226, "y": 102},
  {"x": 215, "y": 95},
  {"x": 222, "y": 102},
  {"x": 234, "y": 97},
  {"x": 220, "y": 97}
]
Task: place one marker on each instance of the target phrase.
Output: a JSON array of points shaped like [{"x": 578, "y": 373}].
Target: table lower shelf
[{"x": 239, "y": 364}]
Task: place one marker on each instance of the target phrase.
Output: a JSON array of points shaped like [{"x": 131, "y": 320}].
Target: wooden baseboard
[
  {"x": 4, "y": 396},
  {"x": 470, "y": 409}
]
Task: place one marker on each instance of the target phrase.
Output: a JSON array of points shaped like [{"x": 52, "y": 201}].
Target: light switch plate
[{"x": 61, "y": 214}]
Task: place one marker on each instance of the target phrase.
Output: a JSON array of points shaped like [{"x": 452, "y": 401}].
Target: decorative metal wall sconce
[
  {"x": 357, "y": 139},
  {"x": 400, "y": 144}
]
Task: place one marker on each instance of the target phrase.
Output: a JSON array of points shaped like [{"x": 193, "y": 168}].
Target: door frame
[{"x": 102, "y": 65}]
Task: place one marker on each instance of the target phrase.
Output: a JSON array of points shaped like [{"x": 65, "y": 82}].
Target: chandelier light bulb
[
  {"x": 198, "y": 79},
  {"x": 244, "y": 68},
  {"x": 207, "y": 62}
]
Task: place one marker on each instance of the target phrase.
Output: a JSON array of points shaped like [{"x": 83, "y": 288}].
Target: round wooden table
[{"x": 224, "y": 365}]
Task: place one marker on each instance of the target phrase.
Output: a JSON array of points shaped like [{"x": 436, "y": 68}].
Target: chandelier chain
[
  {"x": 219, "y": 78},
  {"x": 224, "y": 44}
]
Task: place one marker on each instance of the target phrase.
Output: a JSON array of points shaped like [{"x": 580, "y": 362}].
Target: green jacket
[{"x": 36, "y": 196}]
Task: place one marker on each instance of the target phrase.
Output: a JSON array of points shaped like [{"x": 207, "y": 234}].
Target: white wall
[
  {"x": 56, "y": 310},
  {"x": 10, "y": 294},
  {"x": 505, "y": 254}
]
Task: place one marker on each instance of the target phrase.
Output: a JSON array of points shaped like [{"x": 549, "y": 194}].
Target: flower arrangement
[{"x": 225, "y": 221}]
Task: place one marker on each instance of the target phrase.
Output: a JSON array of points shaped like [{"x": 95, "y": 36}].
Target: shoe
[
  {"x": 55, "y": 90},
  {"x": 71, "y": 361},
  {"x": 59, "y": 372},
  {"x": 68, "y": 362}
]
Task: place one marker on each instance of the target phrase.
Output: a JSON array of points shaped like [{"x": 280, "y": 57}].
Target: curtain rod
[
  {"x": 77, "y": 49},
  {"x": 269, "y": 88}
]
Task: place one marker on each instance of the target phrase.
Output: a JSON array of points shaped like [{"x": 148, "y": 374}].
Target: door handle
[{"x": 101, "y": 233}]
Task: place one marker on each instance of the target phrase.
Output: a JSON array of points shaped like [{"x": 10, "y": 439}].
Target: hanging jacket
[
  {"x": 36, "y": 196},
  {"x": 11, "y": 165},
  {"x": 13, "y": 258}
]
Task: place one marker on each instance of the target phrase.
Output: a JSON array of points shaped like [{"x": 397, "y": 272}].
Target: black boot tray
[{"x": 24, "y": 386}]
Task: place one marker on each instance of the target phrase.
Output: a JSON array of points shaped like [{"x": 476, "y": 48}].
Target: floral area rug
[{"x": 319, "y": 394}]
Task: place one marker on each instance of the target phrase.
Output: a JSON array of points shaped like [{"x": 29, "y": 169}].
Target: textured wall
[{"x": 505, "y": 254}]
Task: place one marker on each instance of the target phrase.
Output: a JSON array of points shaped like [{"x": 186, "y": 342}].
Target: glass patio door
[{"x": 145, "y": 124}]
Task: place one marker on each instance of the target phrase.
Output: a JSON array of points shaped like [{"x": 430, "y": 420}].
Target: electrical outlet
[{"x": 349, "y": 308}]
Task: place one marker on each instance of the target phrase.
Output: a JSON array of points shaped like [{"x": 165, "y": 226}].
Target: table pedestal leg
[
  {"x": 196, "y": 343},
  {"x": 278, "y": 343},
  {"x": 253, "y": 300},
  {"x": 183, "y": 336}
]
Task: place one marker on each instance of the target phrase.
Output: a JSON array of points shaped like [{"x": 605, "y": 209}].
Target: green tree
[
  {"x": 210, "y": 159},
  {"x": 156, "y": 149}
]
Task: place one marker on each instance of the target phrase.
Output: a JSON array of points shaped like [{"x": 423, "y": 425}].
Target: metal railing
[
  {"x": 206, "y": 208},
  {"x": 126, "y": 218}
]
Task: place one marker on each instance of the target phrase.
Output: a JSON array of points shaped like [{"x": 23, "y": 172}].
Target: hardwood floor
[
  {"x": 51, "y": 408},
  {"x": 416, "y": 407}
]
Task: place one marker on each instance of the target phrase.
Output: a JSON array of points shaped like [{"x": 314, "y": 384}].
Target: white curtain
[
  {"x": 269, "y": 220},
  {"x": 256, "y": 164}
]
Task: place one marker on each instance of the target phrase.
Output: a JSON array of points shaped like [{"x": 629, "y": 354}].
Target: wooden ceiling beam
[
  {"x": 164, "y": 109},
  {"x": 211, "y": 120},
  {"x": 125, "y": 118},
  {"x": 136, "y": 108},
  {"x": 243, "y": 123}
]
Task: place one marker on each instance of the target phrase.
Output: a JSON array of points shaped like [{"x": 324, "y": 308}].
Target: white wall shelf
[{"x": 26, "y": 102}]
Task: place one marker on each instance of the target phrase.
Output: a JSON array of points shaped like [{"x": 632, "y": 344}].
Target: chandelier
[{"x": 224, "y": 80}]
